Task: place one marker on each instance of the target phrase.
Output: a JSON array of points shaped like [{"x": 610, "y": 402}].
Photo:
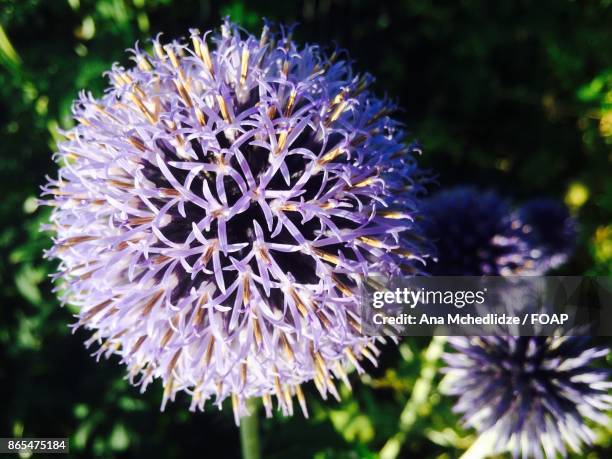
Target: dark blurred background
[{"x": 511, "y": 95}]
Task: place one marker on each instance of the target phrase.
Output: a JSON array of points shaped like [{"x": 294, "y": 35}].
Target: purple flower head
[
  {"x": 549, "y": 227},
  {"x": 217, "y": 208},
  {"x": 475, "y": 234},
  {"x": 532, "y": 394}
]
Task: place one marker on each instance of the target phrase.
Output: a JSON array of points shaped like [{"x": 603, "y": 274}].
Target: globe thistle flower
[
  {"x": 532, "y": 394},
  {"x": 550, "y": 229},
  {"x": 475, "y": 234},
  {"x": 216, "y": 210}
]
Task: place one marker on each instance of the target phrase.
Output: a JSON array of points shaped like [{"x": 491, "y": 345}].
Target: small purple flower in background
[
  {"x": 532, "y": 394},
  {"x": 216, "y": 211},
  {"x": 474, "y": 234},
  {"x": 549, "y": 227},
  {"x": 477, "y": 233}
]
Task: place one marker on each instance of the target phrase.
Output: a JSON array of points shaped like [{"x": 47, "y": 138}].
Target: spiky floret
[
  {"x": 549, "y": 227},
  {"x": 217, "y": 208},
  {"x": 532, "y": 394},
  {"x": 475, "y": 233}
]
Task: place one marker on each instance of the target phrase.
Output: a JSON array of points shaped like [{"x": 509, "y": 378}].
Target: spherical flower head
[
  {"x": 475, "y": 234},
  {"x": 216, "y": 211},
  {"x": 532, "y": 394},
  {"x": 550, "y": 229}
]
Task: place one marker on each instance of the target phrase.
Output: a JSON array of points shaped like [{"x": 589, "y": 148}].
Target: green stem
[
  {"x": 483, "y": 447},
  {"x": 420, "y": 394},
  {"x": 249, "y": 432}
]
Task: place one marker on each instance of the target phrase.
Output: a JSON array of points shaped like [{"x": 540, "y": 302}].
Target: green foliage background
[{"x": 515, "y": 95}]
